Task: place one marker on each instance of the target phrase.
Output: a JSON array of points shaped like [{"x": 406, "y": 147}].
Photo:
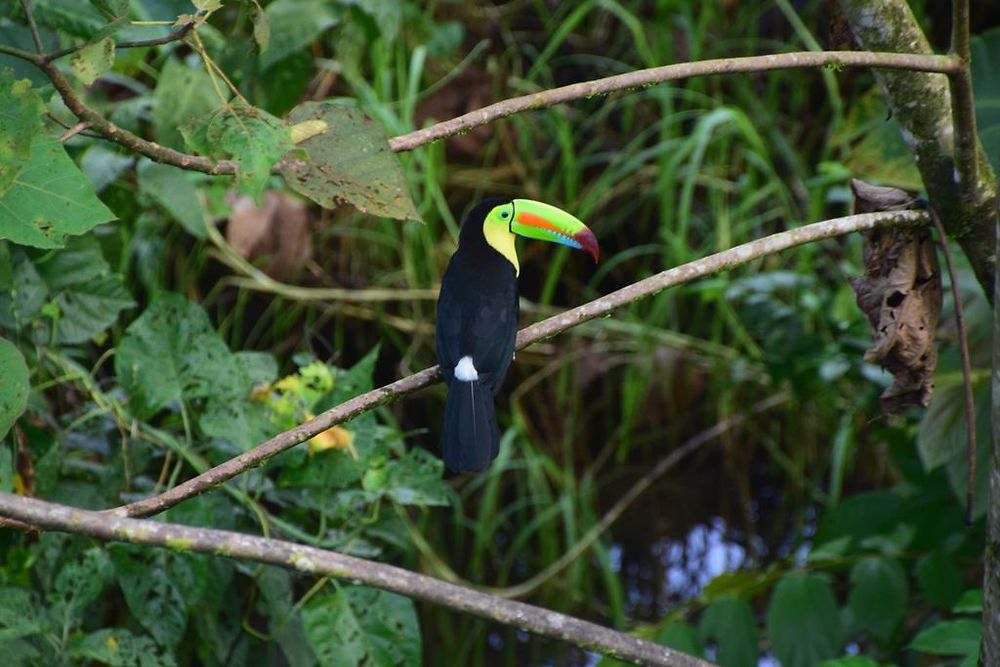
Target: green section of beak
[{"x": 538, "y": 220}]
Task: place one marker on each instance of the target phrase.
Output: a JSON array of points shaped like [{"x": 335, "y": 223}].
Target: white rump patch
[{"x": 465, "y": 371}]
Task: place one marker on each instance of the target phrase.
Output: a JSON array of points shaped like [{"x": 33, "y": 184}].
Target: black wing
[{"x": 477, "y": 316}]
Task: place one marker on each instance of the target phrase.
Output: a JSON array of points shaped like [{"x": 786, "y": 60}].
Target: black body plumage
[{"x": 477, "y": 317}]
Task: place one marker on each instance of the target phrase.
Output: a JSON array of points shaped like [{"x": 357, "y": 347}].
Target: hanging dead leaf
[{"x": 900, "y": 294}]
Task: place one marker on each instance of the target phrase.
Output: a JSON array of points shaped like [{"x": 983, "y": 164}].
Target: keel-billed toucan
[{"x": 477, "y": 317}]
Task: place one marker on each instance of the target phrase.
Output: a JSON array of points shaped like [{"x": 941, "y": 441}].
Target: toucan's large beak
[{"x": 537, "y": 220}]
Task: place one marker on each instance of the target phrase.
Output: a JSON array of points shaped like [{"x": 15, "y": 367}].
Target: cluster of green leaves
[{"x": 76, "y": 291}]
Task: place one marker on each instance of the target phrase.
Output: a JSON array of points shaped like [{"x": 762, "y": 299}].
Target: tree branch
[
  {"x": 30, "y": 14},
  {"x": 939, "y": 131},
  {"x": 174, "y": 36},
  {"x": 721, "y": 261},
  {"x": 547, "y": 98},
  {"x": 319, "y": 562},
  {"x": 655, "y": 75},
  {"x": 962, "y": 104}
]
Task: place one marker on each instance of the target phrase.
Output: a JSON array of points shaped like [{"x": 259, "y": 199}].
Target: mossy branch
[{"x": 938, "y": 125}]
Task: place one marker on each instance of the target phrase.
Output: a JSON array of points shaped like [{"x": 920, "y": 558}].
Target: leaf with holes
[
  {"x": 360, "y": 625},
  {"x": 416, "y": 479},
  {"x": 169, "y": 353},
  {"x": 49, "y": 199},
  {"x": 349, "y": 161},
  {"x": 20, "y": 120}
]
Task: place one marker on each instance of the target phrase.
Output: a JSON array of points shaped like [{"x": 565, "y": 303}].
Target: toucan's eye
[{"x": 504, "y": 214}]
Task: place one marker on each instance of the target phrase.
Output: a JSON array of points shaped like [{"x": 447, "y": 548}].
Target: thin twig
[
  {"x": 721, "y": 261},
  {"x": 319, "y": 562},
  {"x": 655, "y": 75},
  {"x": 963, "y": 348},
  {"x": 30, "y": 14},
  {"x": 174, "y": 36},
  {"x": 962, "y": 104},
  {"x": 73, "y": 131}
]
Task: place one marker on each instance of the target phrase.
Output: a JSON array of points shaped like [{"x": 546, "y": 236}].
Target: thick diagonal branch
[
  {"x": 320, "y": 562},
  {"x": 569, "y": 319}
]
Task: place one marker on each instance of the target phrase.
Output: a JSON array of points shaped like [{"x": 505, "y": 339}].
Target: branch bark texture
[
  {"x": 655, "y": 75},
  {"x": 922, "y": 106},
  {"x": 637, "y": 79},
  {"x": 600, "y": 307},
  {"x": 319, "y": 562}
]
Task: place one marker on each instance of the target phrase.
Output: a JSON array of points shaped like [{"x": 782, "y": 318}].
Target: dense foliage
[{"x": 156, "y": 321}]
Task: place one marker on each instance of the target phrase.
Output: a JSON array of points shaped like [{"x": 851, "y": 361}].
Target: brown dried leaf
[
  {"x": 275, "y": 235},
  {"x": 900, "y": 294}
]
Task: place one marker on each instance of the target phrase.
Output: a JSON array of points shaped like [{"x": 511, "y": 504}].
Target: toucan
[{"x": 477, "y": 313}]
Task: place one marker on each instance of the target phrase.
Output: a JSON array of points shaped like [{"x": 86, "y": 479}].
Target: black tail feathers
[{"x": 471, "y": 437}]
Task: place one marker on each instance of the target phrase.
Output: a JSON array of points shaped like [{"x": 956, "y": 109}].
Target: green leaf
[
  {"x": 417, "y": 479},
  {"x": 86, "y": 296},
  {"x": 942, "y": 432},
  {"x": 148, "y": 585},
  {"x": 803, "y": 623},
  {"x": 170, "y": 353},
  {"x": 251, "y": 137},
  {"x": 21, "y": 111},
  {"x": 103, "y": 165},
  {"x": 182, "y": 94},
  {"x": 879, "y": 595},
  {"x": 971, "y": 602},
  {"x": 959, "y": 637},
  {"x": 359, "y": 625},
  {"x": 939, "y": 579},
  {"x": 80, "y": 19},
  {"x": 284, "y": 620},
  {"x": 294, "y": 25},
  {"x": 387, "y": 15},
  {"x": 20, "y": 614},
  {"x": 21, "y": 305},
  {"x": 50, "y": 198},
  {"x": 348, "y": 162},
  {"x": 729, "y": 621},
  {"x": 93, "y": 60},
  {"x": 173, "y": 189},
  {"x": 71, "y": 292},
  {"x": 682, "y": 637},
  {"x": 14, "y": 385},
  {"x": 261, "y": 26},
  {"x": 78, "y": 584}
]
